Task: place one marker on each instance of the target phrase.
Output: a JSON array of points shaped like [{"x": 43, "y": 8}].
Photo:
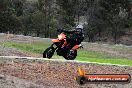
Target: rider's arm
[{"x": 69, "y": 31}]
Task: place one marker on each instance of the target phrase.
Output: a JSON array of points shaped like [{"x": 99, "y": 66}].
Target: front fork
[{"x": 57, "y": 45}]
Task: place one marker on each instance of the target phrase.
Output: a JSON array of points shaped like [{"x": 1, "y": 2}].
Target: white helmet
[{"x": 79, "y": 27}]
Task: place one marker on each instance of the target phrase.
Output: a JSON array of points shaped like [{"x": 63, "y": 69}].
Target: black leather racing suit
[{"x": 75, "y": 38}]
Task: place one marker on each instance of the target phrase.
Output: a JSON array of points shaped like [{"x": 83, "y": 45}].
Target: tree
[
  {"x": 116, "y": 15},
  {"x": 17, "y": 5},
  {"x": 38, "y": 23},
  {"x": 95, "y": 20},
  {"x": 8, "y": 19},
  {"x": 27, "y": 23},
  {"x": 66, "y": 12}
]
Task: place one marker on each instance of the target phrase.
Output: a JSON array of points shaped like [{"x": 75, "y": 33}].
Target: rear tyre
[
  {"x": 70, "y": 55},
  {"x": 49, "y": 52},
  {"x": 81, "y": 80}
]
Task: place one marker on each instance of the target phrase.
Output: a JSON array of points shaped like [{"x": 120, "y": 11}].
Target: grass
[
  {"x": 30, "y": 47},
  {"x": 111, "y": 61},
  {"x": 94, "y": 54},
  {"x": 91, "y": 56},
  {"x": 83, "y": 55}
]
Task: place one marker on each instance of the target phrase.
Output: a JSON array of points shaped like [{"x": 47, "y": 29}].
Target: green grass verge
[
  {"x": 111, "y": 61},
  {"x": 99, "y": 55},
  {"x": 91, "y": 56},
  {"x": 30, "y": 47},
  {"x": 88, "y": 56}
]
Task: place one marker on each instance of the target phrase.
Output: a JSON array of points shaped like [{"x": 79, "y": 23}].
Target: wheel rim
[{"x": 71, "y": 54}]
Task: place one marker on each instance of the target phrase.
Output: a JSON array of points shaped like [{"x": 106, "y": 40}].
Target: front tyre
[
  {"x": 49, "y": 52},
  {"x": 70, "y": 55}
]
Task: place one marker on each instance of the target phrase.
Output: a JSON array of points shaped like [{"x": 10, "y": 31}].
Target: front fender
[{"x": 77, "y": 46}]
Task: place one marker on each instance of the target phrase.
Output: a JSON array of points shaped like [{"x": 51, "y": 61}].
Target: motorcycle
[{"x": 58, "y": 46}]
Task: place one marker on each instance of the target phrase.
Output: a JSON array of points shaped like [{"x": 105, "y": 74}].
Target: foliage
[
  {"x": 9, "y": 21},
  {"x": 104, "y": 18},
  {"x": 116, "y": 14}
]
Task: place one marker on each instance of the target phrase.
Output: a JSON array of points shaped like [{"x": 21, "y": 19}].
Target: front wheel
[
  {"x": 70, "y": 55},
  {"x": 49, "y": 52}
]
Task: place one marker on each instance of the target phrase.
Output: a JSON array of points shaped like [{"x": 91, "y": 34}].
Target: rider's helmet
[{"x": 79, "y": 28}]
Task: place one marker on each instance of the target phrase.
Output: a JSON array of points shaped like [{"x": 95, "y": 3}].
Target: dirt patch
[
  {"x": 23, "y": 39},
  {"x": 5, "y": 51},
  {"x": 55, "y": 74},
  {"x": 113, "y": 50},
  {"x": 14, "y": 82}
]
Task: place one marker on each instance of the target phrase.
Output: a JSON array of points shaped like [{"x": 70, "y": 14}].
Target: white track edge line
[{"x": 76, "y": 61}]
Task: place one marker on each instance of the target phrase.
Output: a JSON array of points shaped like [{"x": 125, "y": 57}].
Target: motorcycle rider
[{"x": 76, "y": 36}]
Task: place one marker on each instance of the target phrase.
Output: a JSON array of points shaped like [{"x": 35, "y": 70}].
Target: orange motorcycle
[{"x": 58, "y": 46}]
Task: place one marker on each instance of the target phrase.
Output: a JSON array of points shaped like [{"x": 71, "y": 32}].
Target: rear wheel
[
  {"x": 70, "y": 55},
  {"x": 49, "y": 52}
]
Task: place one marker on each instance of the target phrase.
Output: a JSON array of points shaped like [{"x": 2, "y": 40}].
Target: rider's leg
[{"x": 70, "y": 44}]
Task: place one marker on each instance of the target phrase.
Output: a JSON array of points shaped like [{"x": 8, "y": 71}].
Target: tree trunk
[
  {"x": 25, "y": 33},
  {"x": 99, "y": 32},
  {"x": 38, "y": 33},
  {"x": 115, "y": 38}
]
